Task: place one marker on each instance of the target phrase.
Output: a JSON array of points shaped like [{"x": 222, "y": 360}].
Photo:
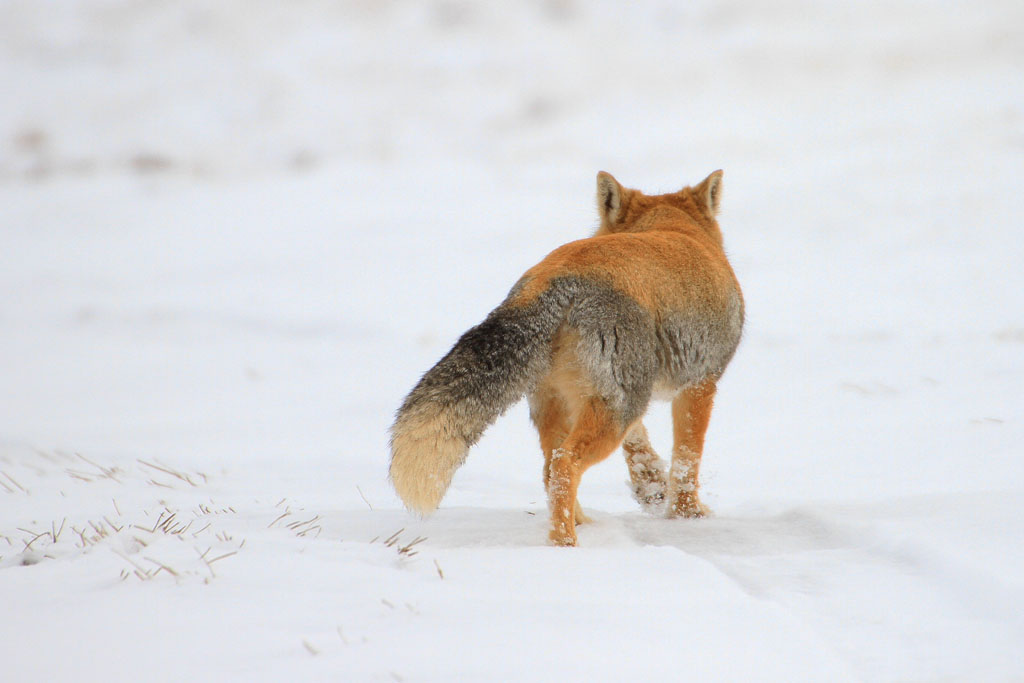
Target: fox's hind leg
[
  {"x": 594, "y": 435},
  {"x": 551, "y": 418},
  {"x": 691, "y": 410},
  {"x": 646, "y": 469}
]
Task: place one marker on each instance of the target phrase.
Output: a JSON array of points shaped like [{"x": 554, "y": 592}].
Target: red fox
[{"x": 649, "y": 306}]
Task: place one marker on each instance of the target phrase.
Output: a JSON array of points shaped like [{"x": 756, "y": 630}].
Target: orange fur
[
  {"x": 646, "y": 469},
  {"x": 647, "y": 306},
  {"x": 594, "y": 435},
  {"x": 691, "y": 411},
  {"x": 666, "y": 253},
  {"x": 558, "y": 405}
]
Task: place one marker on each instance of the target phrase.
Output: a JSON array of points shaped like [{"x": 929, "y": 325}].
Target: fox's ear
[
  {"x": 609, "y": 197},
  {"x": 710, "y": 192}
]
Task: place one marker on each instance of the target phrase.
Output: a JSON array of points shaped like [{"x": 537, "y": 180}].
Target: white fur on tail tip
[{"x": 423, "y": 460}]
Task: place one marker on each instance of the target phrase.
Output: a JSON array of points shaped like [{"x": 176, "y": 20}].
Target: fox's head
[{"x": 626, "y": 210}]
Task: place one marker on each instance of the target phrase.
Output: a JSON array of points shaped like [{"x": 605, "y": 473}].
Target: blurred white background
[{"x": 235, "y": 234}]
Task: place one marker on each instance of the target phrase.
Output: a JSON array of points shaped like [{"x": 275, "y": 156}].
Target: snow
[{"x": 236, "y": 234}]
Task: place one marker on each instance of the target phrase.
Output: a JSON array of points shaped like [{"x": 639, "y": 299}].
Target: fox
[{"x": 646, "y": 308}]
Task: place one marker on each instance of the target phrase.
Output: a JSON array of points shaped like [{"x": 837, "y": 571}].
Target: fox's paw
[
  {"x": 651, "y": 496},
  {"x": 562, "y": 535},
  {"x": 647, "y": 480},
  {"x": 688, "y": 506}
]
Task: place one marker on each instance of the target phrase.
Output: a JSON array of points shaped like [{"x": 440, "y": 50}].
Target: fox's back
[
  {"x": 648, "y": 305},
  {"x": 666, "y": 272},
  {"x": 669, "y": 295}
]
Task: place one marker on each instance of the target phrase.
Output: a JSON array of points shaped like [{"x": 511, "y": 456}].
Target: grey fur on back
[
  {"x": 498, "y": 361},
  {"x": 623, "y": 350}
]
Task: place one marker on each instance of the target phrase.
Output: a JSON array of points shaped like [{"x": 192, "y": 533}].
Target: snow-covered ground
[{"x": 234, "y": 234}]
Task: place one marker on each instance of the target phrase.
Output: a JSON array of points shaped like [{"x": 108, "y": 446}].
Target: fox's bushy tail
[{"x": 489, "y": 368}]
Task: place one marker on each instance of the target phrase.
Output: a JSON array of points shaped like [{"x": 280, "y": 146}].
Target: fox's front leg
[
  {"x": 691, "y": 411},
  {"x": 646, "y": 469}
]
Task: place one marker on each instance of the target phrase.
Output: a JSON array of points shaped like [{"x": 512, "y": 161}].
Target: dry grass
[
  {"x": 364, "y": 498},
  {"x": 13, "y": 481},
  {"x": 145, "y": 539},
  {"x": 180, "y": 476},
  {"x": 209, "y": 562},
  {"x": 403, "y": 549},
  {"x": 168, "y": 525},
  {"x": 301, "y": 528},
  {"x": 127, "y": 540}
]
